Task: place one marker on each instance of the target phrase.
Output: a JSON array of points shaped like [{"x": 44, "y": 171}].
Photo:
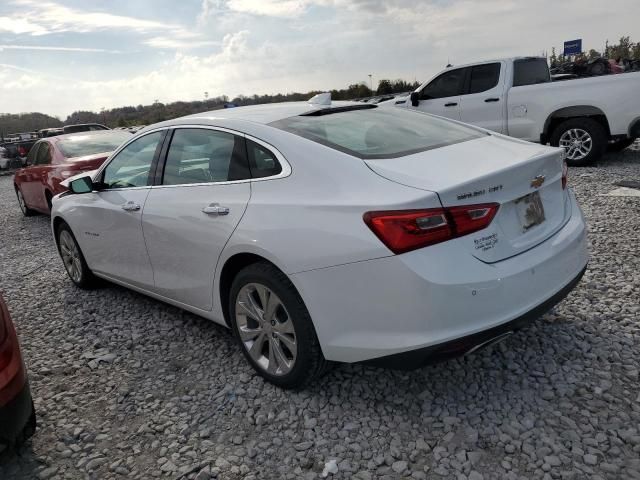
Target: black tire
[
  {"x": 596, "y": 133},
  {"x": 26, "y": 211},
  {"x": 49, "y": 198},
  {"x": 29, "y": 429},
  {"x": 84, "y": 277},
  {"x": 620, "y": 145},
  {"x": 309, "y": 363}
]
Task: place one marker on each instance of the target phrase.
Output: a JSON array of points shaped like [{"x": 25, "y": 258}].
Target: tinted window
[
  {"x": 448, "y": 84},
  {"x": 203, "y": 156},
  {"x": 484, "y": 77},
  {"x": 262, "y": 161},
  {"x": 90, "y": 143},
  {"x": 378, "y": 132},
  {"x": 131, "y": 166},
  {"x": 530, "y": 71},
  {"x": 43, "y": 157},
  {"x": 31, "y": 156}
]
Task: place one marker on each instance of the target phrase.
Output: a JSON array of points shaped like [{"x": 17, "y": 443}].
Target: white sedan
[{"x": 341, "y": 232}]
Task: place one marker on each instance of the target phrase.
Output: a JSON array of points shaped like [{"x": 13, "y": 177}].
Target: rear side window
[
  {"x": 31, "y": 156},
  {"x": 81, "y": 144},
  {"x": 530, "y": 71},
  {"x": 484, "y": 77},
  {"x": 378, "y": 132},
  {"x": 448, "y": 84},
  {"x": 204, "y": 156},
  {"x": 263, "y": 162}
]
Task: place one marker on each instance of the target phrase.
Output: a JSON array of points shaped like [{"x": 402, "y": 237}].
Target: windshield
[
  {"x": 90, "y": 143},
  {"x": 383, "y": 132}
]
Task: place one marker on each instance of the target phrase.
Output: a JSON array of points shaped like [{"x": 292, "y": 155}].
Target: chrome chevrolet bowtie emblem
[{"x": 537, "y": 181}]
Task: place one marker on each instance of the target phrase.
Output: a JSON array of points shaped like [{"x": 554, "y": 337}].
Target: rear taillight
[
  {"x": 6, "y": 342},
  {"x": 565, "y": 175},
  {"x": 405, "y": 230}
]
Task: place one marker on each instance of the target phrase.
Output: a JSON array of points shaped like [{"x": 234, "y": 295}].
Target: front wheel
[
  {"x": 273, "y": 327},
  {"x": 584, "y": 140},
  {"x": 73, "y": 259}
]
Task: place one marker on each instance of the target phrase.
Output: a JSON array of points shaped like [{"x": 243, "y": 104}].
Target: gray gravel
[{"x": 127, "y": 387}]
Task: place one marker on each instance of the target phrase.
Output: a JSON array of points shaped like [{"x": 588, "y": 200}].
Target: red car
[
  {"x": 17, "y": 415},
  {"x": 53, "y": 159}
]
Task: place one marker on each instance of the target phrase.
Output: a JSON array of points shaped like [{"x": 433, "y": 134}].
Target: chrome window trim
[
  {"x": 113, "y": 155},
  {"x": 286, "y": 167}
]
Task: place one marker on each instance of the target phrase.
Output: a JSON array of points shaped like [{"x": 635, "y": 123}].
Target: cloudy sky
[{"x": 59, "y": 56}]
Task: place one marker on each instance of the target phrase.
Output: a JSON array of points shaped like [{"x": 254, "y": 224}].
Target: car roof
[{"x": 263, "y": 114}]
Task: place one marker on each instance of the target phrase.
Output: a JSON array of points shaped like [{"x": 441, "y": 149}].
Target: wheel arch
[
  {"x": 228, "y": 272},
  {"x": 55, "y": 223},
  {"x": 576, "y": 111}
]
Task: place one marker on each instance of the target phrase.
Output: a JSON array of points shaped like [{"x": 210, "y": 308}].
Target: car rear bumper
[
  {"x": 461, "y": 346},
  {"x": 17, "y": 417},
  {"x": 432, "y": 297}
]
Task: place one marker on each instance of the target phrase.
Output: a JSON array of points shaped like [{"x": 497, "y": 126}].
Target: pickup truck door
[
  {"x": 483, "y": 100},
  {"x": 441, "y": 96}
]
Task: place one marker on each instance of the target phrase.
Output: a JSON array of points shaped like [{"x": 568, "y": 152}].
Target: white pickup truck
[{"x": 516, "y": 97}]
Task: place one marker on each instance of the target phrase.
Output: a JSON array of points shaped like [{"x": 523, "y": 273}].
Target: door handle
[
  {"x": 451, "y": 104},
  {"x": 492, "y": 100},
  {"x": 131, "y": 207},
  {"x": 215, "y": 209}
]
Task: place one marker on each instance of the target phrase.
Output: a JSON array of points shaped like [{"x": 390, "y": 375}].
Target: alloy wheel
[
  {"x": 266, "y": 329},
  {"x": 577, "y": 143},
  {"x": 70, "y": 256}
]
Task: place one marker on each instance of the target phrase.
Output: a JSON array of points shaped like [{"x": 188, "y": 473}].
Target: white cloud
[
  {"x": 37, "y": 18},
  {"x": 275, "y": 8},
  {"x": 56, "y": 49}
]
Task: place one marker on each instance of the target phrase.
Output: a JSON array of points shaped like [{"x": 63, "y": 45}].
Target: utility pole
[{"x": 371, "y": 82}]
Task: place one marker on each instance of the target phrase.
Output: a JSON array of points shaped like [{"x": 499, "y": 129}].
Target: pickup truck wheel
[{"x": 583, "y": 139}]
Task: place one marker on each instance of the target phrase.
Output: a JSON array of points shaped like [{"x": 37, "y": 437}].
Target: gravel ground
[{"x": 127, "y": 387}]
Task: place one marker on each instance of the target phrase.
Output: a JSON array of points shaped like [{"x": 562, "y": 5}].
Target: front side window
[
  {"x": 378, "y": 132},
  {"x": 43, "y": 157},
  {"x": 198, "y": 155},
  {"x": 484, "y": 77},
  {"x": 131, "y": 166},
  {"x": 449, "y": 84}
]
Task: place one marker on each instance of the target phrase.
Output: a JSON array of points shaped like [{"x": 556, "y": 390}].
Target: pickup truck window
[
  {"x": 484, "y": 77},
  {"x": 530, "y": 71},
  {"x": 448, "y": 84}
]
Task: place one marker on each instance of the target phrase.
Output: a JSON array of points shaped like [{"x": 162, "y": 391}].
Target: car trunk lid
[{"x": 525, "y": 179}]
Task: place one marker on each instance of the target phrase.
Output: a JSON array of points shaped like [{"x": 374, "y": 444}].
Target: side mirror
[
  {"x": 81, "y": 185},
  {"x": 415, "y": 98}
]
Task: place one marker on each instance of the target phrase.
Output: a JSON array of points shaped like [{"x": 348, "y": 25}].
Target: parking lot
[{"x": 127, "y": 387}]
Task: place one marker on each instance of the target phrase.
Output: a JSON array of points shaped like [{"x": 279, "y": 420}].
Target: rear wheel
[
  {"x": 26, "y": 211},
  {"x": 274, "y": 328},
  {"x": 73, "y": 259},
  {"x": 583, "y": 139}
]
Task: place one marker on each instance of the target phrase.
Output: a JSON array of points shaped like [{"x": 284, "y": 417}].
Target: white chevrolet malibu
[{"x": 321, "y": 233}]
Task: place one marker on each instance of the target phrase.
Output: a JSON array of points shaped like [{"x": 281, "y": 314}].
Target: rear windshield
[
  {"x": 382, "y": 132},
  {"x": 90, "y": 143}
]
